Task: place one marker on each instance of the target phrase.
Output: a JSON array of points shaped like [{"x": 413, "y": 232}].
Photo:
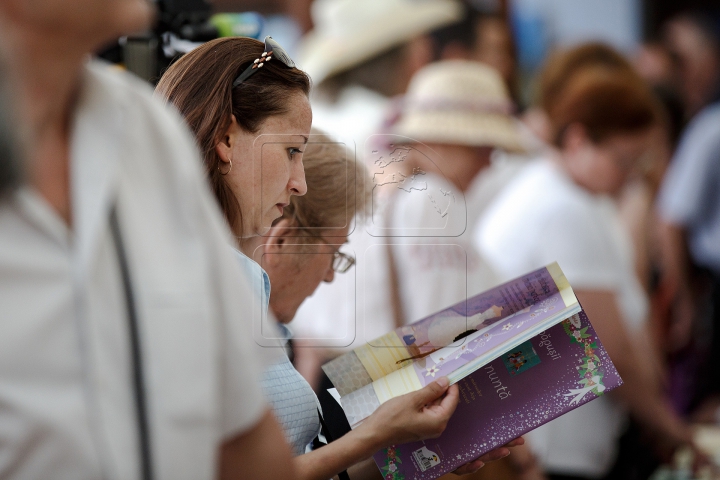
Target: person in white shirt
[
  {"x": 456, "y": 115},
  {"x": 122, "y": 346},
  {"x": 560, "y": 208}
]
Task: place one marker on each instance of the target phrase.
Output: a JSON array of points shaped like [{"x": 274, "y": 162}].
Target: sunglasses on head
[{"x": 273, "y": 50}]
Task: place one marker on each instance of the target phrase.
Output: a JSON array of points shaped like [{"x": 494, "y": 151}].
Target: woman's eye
[{"x": 293, "y": 151}]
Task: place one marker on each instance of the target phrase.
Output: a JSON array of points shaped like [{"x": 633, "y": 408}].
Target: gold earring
[{"x": 223, "y": 174}]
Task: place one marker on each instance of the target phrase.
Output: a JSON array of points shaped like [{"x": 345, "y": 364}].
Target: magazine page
[
  {"x": 461, "y": 358},
  {"x": 398, "y": 348}
]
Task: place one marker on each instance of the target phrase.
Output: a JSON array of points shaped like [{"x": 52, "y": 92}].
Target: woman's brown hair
[
  {"x": 199, "y": 84},
  {"x": 563, "y": 64},
  {"x": 605, "y": 102}
]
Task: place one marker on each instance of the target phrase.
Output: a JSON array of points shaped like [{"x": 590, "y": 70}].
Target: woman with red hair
[{"x": 561, "y": 208}]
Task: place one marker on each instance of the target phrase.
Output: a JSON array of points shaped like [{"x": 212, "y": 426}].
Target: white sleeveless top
[{"x": 293, "y": 400}]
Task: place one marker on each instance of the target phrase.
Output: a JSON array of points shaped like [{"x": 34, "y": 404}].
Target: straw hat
[
  {"x": 462, "y": 103},
  {"x": 348, "y": 32}
]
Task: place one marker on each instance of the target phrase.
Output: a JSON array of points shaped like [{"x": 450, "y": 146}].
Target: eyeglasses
[
  {"x": 272, "y": 50},
  {"x": 342, "y": 262}
]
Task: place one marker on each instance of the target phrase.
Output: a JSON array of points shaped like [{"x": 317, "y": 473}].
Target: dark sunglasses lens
[{"x": 278, "y": 52}]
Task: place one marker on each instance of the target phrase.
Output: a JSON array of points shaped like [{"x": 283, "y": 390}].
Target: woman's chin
[{"x": 270, "y": 218}]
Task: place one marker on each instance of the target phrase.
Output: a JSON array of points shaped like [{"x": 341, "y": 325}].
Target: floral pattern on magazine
[
  {"x": 589, "y": 372},
  {"x": 390, "y": 470}
]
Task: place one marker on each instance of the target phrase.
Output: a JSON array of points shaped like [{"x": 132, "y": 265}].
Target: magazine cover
[{"x": 557, "y": 371}]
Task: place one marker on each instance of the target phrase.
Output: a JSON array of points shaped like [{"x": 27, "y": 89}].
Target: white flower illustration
[{"x": 431, "y": 371}]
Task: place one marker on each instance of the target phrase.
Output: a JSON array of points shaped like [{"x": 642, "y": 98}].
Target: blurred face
[
  {"x": 88, "y": 22},
  {"x": 457, "y": 163},
  {"x": 494, "y": 47},
  {"x": 603, "y": 167},
  {"x": 267, "y": 167},
  {"x": 696, "y": 63},
  {"x": 295, "y": 275}
]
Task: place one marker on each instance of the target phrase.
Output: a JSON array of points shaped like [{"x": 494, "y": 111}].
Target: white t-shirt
[
  {"x": 440, "y": 266},
  {"x": 542, "y": 216},
  {"x": 66, "y": 399}
]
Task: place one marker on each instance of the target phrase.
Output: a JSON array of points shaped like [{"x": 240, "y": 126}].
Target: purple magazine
[{"x": 541, "y": 379}]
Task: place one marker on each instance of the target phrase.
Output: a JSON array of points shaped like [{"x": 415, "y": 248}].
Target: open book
[{"x": 520, "y": 346}]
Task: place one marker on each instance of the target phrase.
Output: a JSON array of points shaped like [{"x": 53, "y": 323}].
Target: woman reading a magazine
[
  {"x": 253, "y": 129},
  {"x": 560, "y": 208}
]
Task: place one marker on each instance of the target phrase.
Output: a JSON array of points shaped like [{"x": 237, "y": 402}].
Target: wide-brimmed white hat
[
  {"x": 349, "y": 32},
  {"x": 459, "y": 102}
]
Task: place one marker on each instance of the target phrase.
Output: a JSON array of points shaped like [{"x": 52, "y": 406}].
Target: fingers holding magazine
[
  {"x": 414, "y": 416},
  {"x": 491, "y": 456}
]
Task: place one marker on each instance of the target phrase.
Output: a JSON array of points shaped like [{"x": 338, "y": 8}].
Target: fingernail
[{"x": 443, "y": 382}]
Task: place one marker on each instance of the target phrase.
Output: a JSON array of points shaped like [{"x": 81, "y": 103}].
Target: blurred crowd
[{"x": 176, "y": 267}]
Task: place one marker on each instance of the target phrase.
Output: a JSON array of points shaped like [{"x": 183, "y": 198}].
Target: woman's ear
[
  {"x": 228, "y": 140},
  {"x": 277, "y": 238}
]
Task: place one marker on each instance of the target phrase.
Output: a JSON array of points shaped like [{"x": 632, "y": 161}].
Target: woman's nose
[{"x": 297, "y": 183}]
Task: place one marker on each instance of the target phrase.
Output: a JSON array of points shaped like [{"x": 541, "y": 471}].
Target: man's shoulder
[
  {"x": 540, "y": 200},
  {"x": 699, "y": 148},
  {"x": 116, "y": 86},
  {"x": 710, "y": 114},
  {"x": 120, "y": 88},
  {"x": 705, "y": 126},
  {"x": 539, "y": 186},
  {"x": 150, "y": 126}
]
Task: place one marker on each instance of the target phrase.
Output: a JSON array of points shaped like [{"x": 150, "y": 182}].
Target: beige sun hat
[
  {"x": 459, "y": 102},
  {"x": 348, "y": 32}
]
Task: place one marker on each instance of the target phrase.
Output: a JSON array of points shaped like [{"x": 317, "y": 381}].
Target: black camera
[{"x": 179, "y": 24}]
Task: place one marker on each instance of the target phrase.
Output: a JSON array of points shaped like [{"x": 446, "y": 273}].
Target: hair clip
[{"x": 272, "y": 48}]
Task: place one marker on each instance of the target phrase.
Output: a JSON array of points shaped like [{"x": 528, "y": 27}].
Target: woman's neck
[
  {"x": 249, "y": 246},
  {"x": 46, "y": 72},
  {"x": 46, "y": 77}
]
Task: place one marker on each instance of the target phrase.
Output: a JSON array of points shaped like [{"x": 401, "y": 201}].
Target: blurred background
[{"x": 362, "y": 56}]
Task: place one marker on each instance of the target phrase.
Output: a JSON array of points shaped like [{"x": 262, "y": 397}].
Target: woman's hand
[
  {"x": 413, "y": 416},
  {"x": 491, "y": 456}
]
